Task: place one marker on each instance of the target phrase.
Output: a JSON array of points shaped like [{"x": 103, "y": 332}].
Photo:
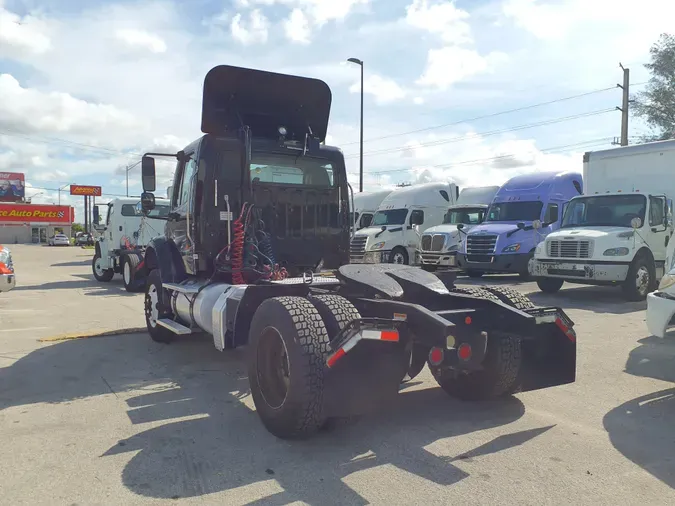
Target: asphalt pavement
[{"x": 124, "y": 420}]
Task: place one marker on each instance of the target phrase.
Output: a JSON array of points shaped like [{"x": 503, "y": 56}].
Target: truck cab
[
  {"x": 365, "y": 206},
  {"x": 525, "y": 210},
  {"x": 394, "y": 233},
  {"x": 439, "y": 245},
  {"x": 618, "y": 233}
]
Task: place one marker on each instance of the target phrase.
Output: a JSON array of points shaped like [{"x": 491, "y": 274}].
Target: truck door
[
  {"x": 180, "y": 227},
  {"x": 658, "y": 231}
]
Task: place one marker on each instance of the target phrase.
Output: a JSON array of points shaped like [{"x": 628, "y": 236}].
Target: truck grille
[
  {"x": 357, "y": 248},
  {"x": 433, "y": 242},
  {"x": 480, "y": 245},
  {"x": 569, "y": 249}
]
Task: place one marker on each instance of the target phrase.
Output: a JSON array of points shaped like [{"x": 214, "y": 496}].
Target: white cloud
[
  {"x": 142, "y": 39},
  {"x": 255, "y": 31},
  {"x": 296, "y": 27},
  {"x": 320, "y": 11},
  {"x": 383, "y": 89},
  {"x": 449, "y": 65},
  {"x": 22, "y": 36},
  {"x": 441, "y": 18}
]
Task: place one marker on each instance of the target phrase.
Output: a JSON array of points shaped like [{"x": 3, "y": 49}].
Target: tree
[
  {"x": 76, "y": 227},
  {"x": 656, "y": 105}
]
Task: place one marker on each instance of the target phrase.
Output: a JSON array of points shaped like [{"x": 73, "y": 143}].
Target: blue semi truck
[{"x": 523, "y": 212}]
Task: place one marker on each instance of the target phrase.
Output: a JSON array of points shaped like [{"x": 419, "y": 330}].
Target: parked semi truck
[
  {"x": 618, "y": 233},
  {"x": 525, "y": 210},
  {"x": 120, "y": 247},
  {"x": 258, "y": 203},
  {"x": 394, "y": 233},
  {"x": 365, "y": 206},
  {"x": 439, "y": 245}
]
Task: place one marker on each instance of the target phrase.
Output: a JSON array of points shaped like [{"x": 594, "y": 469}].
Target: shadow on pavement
[
  {"x": 223, "y": 445},
  {"x": 85, "y": 282},
  {"x": 654, "y": 358},
  {"x": 79, "y": 263}
]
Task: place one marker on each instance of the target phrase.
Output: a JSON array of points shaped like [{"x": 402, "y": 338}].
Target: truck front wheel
[
  {"x": 498, "y": 377},
  {"x": 640, "y": 278},
  {"x": 288, "y": 346},
  {"x": 156, "y": 309},
  {"x": 549, "y": 285},
  {"x": 101, "y": 272}
]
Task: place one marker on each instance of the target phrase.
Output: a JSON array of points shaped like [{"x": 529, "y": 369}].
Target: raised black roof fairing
[{"x": 264, "y": 101}]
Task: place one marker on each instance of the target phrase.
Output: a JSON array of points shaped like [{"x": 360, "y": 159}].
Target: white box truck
[
  {"x": 365, "y": 206},
  {"x": 618, "y": 232},
  {"x": 394, "y": 233},
  {"x": 127, "y": 231},
  {"x": 439, "y": 245}
]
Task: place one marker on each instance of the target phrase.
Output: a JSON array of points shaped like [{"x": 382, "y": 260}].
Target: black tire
[
  {"x": 549, "y": 285},
  {"x": 130, "y": 277},
  {"x": 335, "y": 311},
  {"x": 399, "y": 252},
  {"x": 510, "y": 296},
  {"x": 295, "y": 323},
  {"x": 418, "y": 359},
  {"x": 157, "y": 332},
  {"x": 499, "y": 376},
  {"x": 642, "y": 265},
  {"x": 478, "y": 292},
  {"x": 104, "y": 275},
  {"x": 474, "y": 274},
  {"x": 525, "y": 275}
]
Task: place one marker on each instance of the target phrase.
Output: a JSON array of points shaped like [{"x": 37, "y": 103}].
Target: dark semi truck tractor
[{"x": 255, "y": 252}]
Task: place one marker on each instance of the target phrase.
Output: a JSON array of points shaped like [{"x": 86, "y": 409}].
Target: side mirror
[
  {"x": 169, "y": 192},
  {"x": 536, "y": 224},
  {"x": 147, "y": 201},
  {"x": 520, "y": 225},
  {"x": 148, "y": 174},
  {"x": 460, "y": 226},
  {"x": 636, "y": 223}
]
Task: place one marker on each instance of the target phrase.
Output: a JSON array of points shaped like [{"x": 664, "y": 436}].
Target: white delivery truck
[
  {"x": 618, "y": 232},
  {"x": 439, "y": 245},
  {"x": 394, "y": 233},
  {"x": 365, "y": 206},
  {"x": 120, "y": 247}
]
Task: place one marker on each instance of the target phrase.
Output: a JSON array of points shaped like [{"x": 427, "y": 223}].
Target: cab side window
[
  {"x": 188, "y": 172},
  {"x": 656, "y": 211}
]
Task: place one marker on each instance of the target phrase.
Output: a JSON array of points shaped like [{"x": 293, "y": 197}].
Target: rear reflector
[
  {"x": 571, "y": 335},
  {"x": 436, "y": 356},
  {"x": 372, "y": 335},
  {"x": 464, "y": 351}
]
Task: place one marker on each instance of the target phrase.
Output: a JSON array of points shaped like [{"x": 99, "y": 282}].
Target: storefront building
[{"x": 32, "y": 223}]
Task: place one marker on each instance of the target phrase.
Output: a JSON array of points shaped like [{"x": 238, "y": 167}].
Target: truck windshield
[
  {"x": 605, "y": 211},
  {"x": 160, "y": 211},
  {"x": 389, "y": 217},
  {"x": 466, "y": 216},
  {"x": 291, "y": 170},
  {"x": 515, "y": 211}
]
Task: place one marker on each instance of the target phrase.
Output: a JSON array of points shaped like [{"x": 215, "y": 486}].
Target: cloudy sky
[{"x": 451, "y": 87}]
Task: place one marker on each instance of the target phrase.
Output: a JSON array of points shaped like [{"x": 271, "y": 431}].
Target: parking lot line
[{"x": 23, "y": 329}]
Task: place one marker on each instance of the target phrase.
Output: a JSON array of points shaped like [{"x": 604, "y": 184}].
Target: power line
[
  {"x": 587, "y": 144},
  {"x": 488, "y": 133},
  {"x": 491, "y": 115}
]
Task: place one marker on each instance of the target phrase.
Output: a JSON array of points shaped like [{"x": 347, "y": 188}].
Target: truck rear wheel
[
  {"x": 640, "y": 278},
  {"x": 129, "y": 264},
  {"x": 498, "y": 377},
  {"x": 549, "y": 285},
  {"x": 100, "y": 272},
  {"x": 156, "y": 308},
  {"x": 289, "y": 346},
  {"x": 480, "y": 293},
  {"x": 510, "y": 296}
]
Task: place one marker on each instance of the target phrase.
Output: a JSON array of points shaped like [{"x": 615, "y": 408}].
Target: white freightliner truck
[
  {"x": 394, "y": 233},
  {"x": 123, "y": 238},
  {"x": 438, "y": 245},
  {"x": 365, "y": 206},
  {"x": 618, "y": 232}
]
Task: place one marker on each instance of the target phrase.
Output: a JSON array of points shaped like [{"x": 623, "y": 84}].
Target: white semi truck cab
[
  {"x": 619, "y": 231},
  {"x": 394, "y": 233},
  {"x": 366, "y": 205},
  {"x": 439, "y": 245},
  {"x": 123, "y": 239}
]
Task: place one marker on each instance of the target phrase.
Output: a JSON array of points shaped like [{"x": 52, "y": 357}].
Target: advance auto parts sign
[
  {"x": 26, "y": 213},
  {"x": 78, "y": 189}
]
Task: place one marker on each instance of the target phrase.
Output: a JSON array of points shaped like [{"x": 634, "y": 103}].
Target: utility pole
[{"x": 624, "y": 105}]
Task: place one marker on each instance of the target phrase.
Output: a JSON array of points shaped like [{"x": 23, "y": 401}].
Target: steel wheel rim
[
  {"x": 642, "y": 280},
  {"x": 127, "y": 273},
  {"x": 273, "y": 368},
  {"x": 398, "y": 258},
  {"x": 152, "y": 306},
  {"x": 98, "y": 266}
]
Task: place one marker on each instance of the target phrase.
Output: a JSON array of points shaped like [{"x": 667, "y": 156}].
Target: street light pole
[
  {"x": 360, "y": 64},
  {"x": 61, "y": 188},
  {"x": 129, "y": 167}
]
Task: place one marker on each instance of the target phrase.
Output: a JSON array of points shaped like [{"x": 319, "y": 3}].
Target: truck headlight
[
  {"x": 378, "y": 245},
  {"x": 511, "y": 248},
  {"x": 616, "y": 252},
  {"x": 667, "y": 281}
]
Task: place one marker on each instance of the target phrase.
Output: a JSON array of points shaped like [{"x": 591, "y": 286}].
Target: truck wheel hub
[
  {"x": 642, "y": 279},
  {"x": 151, "y": 306},
  {"x": 127, "y": 273},
  {"x": 98, "y": 266},
  {"x": 273, "y": 368}
]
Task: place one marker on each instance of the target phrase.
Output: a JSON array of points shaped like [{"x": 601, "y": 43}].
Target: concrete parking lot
[{"x": 124, "y": 420}]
